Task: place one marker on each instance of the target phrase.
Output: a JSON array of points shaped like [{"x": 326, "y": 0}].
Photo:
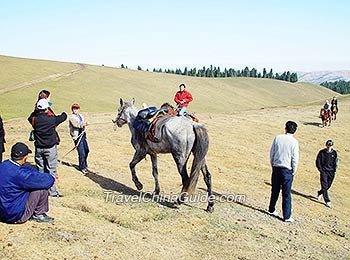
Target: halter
[{"x": 119, "y": 118}]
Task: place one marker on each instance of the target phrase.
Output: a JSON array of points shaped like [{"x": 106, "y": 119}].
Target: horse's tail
[{"x": 199, "y": 150}]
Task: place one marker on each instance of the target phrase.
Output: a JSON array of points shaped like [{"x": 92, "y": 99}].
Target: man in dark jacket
[
  {"x": 46, "y": 140},
  {"x": 2, "y": 139},
  {"x": 326, "y": 163},
  {"x": 23, "y": 190}
]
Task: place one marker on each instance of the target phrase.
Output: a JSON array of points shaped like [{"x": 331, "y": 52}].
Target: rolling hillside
[
  {"x": 88, "y": 225},
  {"x": 98, "y": 89}
]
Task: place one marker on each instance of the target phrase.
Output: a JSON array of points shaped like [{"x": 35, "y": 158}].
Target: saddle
[
  {"x": 154, "y": 133},
  {"x": 149, "y": 123}
]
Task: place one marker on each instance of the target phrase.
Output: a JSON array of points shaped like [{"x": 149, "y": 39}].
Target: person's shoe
[
  {"x": 291, "y": 220},
  {"x": 275, "y": 213},
  {"x": 328, "y": 204},
  {"x": 319, "y": 196},
  {"x": 56, "y": 195},
  {"x": 85, "y": 171},
  {"x": 42, "y": 218}
]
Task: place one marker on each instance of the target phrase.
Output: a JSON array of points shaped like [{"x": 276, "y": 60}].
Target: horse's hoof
[
  {"x": 210, "y": 209},
  {"x": 139, "y": 185}
]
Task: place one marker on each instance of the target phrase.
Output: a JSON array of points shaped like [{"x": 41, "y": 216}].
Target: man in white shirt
[{"x": 284, "y": 158}]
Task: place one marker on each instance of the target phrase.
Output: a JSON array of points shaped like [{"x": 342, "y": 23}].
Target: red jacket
[{"x": 184, "y": 95}]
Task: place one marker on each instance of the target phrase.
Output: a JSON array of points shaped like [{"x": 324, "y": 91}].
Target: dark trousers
[
  {"x": 83, "y": 151},
  {"x": 0, "y": 157},
  {"x": 37, "y": 203},
  {"x": 326, "y": 179},
  {"x": 281, "y": 177}
]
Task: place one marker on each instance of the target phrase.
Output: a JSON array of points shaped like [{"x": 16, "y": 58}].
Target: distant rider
[
  {"x": 334, "y": 102},
  {"x": 327, "y": 108}
]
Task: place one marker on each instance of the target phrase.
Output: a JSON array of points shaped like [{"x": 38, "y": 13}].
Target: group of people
[
  {"x": 329, "y": 105},
  {"x": 24, "y": 191},
  {"x": 284, "y": 158}
]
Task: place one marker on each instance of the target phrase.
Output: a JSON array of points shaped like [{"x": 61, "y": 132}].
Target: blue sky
[{"x": 283, "y": 35}]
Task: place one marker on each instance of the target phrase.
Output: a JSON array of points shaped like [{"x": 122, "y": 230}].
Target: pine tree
[
  {"x": 264, "y": 73},
  {"x": 270, "y": 75}
]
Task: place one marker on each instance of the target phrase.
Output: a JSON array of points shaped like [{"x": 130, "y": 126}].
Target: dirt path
[{"x": 80, "y": 67}]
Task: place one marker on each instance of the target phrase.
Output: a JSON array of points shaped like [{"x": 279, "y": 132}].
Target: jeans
[
  {"x": 281, "y": 177},
  {"x": 83, "y": 151},
  {"x": 182, "y": 111},
  {"x": 326, "y": 179}
]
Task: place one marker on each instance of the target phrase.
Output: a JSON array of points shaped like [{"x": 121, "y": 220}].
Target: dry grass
[{"x": 88, "y": 227}]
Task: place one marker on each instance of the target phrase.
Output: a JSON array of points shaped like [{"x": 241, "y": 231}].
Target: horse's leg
[
  {"x": 181, "y": 162},
  {"x": 138, "y": 156},
  {"x": 155, "y": 173},
  {"x": 207, "y": 179}
]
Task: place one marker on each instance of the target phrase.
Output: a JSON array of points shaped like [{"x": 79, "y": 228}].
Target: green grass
[
  {"x": 98, "y": 89},
  {"x": 16, "y": 70}
]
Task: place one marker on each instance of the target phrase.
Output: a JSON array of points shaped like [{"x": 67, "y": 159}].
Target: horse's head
[{"x": 126, "y": 111}]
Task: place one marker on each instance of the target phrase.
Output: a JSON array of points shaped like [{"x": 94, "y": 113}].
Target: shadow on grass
[
  {"x": 312, "y": 198},
  {"x": 221, "y": 197},
  {"x": 112, "y": 185},
  {"x": 312, "y": 124}
]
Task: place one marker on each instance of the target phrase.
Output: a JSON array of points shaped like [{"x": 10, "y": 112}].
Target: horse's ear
[
  {"x": 132, "y": 101},
  {"x": 121, "y": 102}
]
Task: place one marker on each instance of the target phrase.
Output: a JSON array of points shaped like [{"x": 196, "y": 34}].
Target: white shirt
[{"x": 284, "y": 152}]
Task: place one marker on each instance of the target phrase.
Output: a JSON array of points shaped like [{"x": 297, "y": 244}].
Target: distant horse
[
  {"x": 325, "y": 117},
  {"x": 178, "y": 136},
  {"x": 334, "y": 110},
  {"x": 173, "y": 111}
]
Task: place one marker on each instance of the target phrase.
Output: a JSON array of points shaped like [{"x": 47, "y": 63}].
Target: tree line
[
  {"x": 216, "y": 72},
  {"x": 339, "y": 86}
]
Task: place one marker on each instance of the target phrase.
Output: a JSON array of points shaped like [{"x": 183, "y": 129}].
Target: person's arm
[
  {"x": 2, "y": 131},
  {"x": 272, "y": 151},
  {"x": 295, "y": 158},
  {"x": 319, "y": 161},
  {"x": 74, "y": 120},
  {"x": 189, "y": 97},
  {"x": 335, "y": 161},
  {"x": 30, "y": 118},
  {"x": 177, "y": 98},
  {"x": 61, "y": 118},
  {"x": 31, "y": 179}
]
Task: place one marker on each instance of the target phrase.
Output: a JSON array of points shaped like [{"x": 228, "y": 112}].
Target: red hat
[{"x": 75, "y": 106}]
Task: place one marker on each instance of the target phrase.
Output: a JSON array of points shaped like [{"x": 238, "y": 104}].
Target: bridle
[{"x": 119, "y": 120}]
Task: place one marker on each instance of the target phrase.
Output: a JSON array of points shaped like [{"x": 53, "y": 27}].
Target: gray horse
[{"x": 178, "y": 136}]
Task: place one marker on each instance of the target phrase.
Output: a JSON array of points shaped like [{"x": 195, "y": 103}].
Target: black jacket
[
  {"x": 2, "y": 137},
  {"x": 45, "y": 128},
  {"x": 327, "y": 161}
]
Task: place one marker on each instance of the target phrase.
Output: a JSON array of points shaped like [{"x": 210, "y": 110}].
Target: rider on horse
[
  {"x": 327, "y": 108},
  {"x": 334, "y": 102}
]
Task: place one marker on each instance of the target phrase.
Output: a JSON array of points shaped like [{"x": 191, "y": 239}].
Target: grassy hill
[
  {"x": 90, "y": 226},
  {"x": 98, "y": 89}
]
